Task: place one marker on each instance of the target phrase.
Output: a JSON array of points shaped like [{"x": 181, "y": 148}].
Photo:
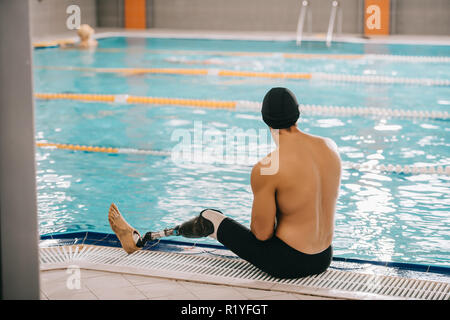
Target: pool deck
[
  {"x": 90, "y": 265},
  {"x": 244, "y": 35},
  {"x": 103, "y": 285},
  {"x": 101, "y": 280}
]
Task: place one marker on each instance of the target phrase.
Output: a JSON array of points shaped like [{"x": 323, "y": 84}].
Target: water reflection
[{"x": 379, "y": 216}]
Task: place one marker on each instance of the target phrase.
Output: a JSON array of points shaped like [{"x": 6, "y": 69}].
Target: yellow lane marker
[
  {"x": 182, "y": 71},
  {"x": 77, "y": 96},
  {"x": 77, "y": 147},
  {"x": 279, "y": 75},
  {"x": 213, "y": 104}
]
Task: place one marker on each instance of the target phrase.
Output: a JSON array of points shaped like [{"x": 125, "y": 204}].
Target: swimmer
[
  {"x": 85, "y": 32},
  {"x": 292, "y": 218}
]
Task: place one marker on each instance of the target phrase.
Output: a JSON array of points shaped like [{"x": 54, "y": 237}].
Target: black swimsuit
[{"x": 272, "y": 256}]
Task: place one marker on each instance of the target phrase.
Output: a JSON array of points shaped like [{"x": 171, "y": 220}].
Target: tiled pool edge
[
  {"x": 238, "y": 273},
  {"x": 211, "y": 280},
  {"x": 110, "y": 240},
  {"x": 182, "y": 265},
  {"x": 105, "y": 32}
]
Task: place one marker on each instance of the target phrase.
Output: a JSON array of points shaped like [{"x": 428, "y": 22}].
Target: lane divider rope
[
  {"x": 405, "y": 169},
  {"x": 306, "y": 56},
  {"x": 123, "y": 98},
  {"x": 354, "y": 111},
  {"x": 400, "y": 58},
  {"x": 243, "y": 105},
  {"x": 185, "y": 71},
  {"x": 258, "y": 74},
  {"x": 380, "y": 79},
  {"x": 390, "y": 168},
  {"x": 111, "y": 150}
]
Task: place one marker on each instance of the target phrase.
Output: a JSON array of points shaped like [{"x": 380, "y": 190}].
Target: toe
[
  {"x": 111, "y": 216},
  {"x": 113, "y": 211}
]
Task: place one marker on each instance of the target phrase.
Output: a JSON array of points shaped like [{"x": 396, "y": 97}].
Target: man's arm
[{"x": 264, "y": 205}]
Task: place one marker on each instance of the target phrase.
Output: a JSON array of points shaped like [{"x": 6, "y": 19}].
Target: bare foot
[{"x": 122, "y": 229}]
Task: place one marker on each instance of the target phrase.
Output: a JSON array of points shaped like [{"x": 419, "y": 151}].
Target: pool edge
[{"x": 110, "y": 240}]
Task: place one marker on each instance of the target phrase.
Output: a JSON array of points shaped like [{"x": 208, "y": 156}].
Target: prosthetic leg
[{"x": 204, "y": 225}]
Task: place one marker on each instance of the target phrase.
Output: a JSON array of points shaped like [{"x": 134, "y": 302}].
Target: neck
[{"x": 284, "y": 134}]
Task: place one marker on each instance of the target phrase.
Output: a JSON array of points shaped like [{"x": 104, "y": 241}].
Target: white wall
[
  {"x": 48, "y": 17},
  {"x": 249, "y": 15},
  {"x": 422, "y": 17}
]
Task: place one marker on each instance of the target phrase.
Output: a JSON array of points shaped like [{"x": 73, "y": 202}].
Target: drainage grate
[{"x": 236, "y": 271}]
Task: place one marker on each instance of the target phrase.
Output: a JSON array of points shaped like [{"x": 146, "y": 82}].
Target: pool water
[{"x": 380, "y": 216}]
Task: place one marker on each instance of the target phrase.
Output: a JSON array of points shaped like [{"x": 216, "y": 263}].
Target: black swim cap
[{"x": 280, "y": 108}]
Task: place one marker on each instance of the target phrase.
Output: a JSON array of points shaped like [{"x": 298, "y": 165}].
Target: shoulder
[
  {"x": 258, "y": 168},
  {"x": 264, "y": 172},
  {"x": 331, "y": 144},
  {"x": 333, "y": 152},
  {"x": 327, "y": 149},
  {"x": 320, "y": 141}
]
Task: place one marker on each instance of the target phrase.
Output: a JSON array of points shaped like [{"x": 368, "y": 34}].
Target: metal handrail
[
  {"x": 301, "y": 21},
  {"x": 334, "y": 10}
]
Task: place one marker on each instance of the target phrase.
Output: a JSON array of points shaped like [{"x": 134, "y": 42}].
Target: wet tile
[
  {"x": 124, "y": 293},
  {"x": 310, "y": 297},
  {"x": 82, "y": 295},
  {"x": 103, "y": 284},
  {"x": 221, "y": 293},
  {"x": 256, "y": 293},
  {"x": 85, "y": 274},
  {"x": 109, "y": 285},
  {"x": 52, "y": 275},
  {"x": 60, "y": 290},
  {"x": 138, "y": 279},
  {"x": 185, "y": 296},
  {"x": 162, "y": 289},
  {"x": 281, "y": 296}
]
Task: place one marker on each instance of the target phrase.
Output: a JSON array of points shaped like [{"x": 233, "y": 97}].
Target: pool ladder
[
  {"x": 336, "y": 10},
  {"x": 306, "y": 13},
  {"x": 301, "y": 21}
]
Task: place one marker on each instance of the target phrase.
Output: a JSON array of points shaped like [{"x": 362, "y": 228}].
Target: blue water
[{"x": 389, "y": 217}]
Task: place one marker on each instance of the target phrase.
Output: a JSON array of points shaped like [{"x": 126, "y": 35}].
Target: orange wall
[
  {"x": 135, "y": 14},
  {"x": 376, "y": 17}
]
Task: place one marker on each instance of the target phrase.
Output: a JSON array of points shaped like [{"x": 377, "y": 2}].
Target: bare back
[{"x": 306, "y": 190}]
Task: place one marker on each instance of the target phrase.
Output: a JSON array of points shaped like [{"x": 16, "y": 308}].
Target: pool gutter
[
  {"x": 206, "y": 263},
  {"x": 247, "y": 36}
]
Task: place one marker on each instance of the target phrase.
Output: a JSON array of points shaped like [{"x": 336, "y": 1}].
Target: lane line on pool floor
[
  {"x": 390, "y": 168},
  {"x": 242, "y": 105},
  {"x": 259, "y": 74}
]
